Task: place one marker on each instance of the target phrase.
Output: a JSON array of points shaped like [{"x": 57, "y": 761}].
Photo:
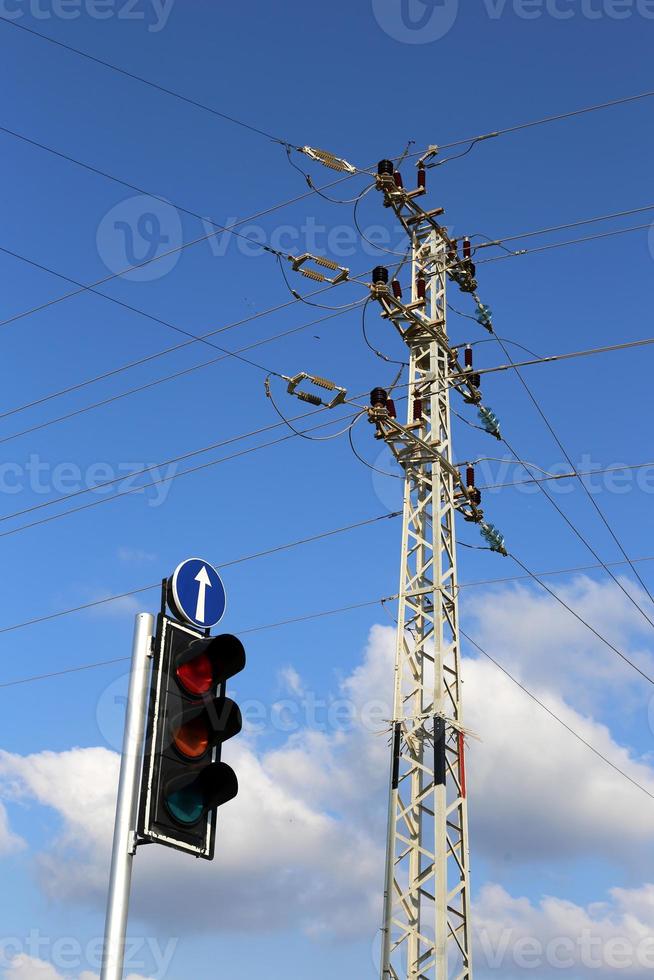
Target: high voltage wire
[
  {"x": 543, "y": 121},
  {"x": 577, "y": 616},
  {"x": 555, "y": 245},
  {"x": 512, "y": 129},
  {"x": 575, "y": 530},
  {"x": 288, "y": 546},
  {"x": 146, "y": 81},
  {"x": 169, "y": 377},
  {"x": 236, "y": 354},
  {"x": 167, "y": 350},
  {"x": 557, "y": 571},
  {"x": 592, "y": 500},
  {"x": 607, "y": 349},
  {"x": 553, "y": 715},
  {"x": 91, "y": 287},
  {"x": 148, "y": 588},
  {"x": 251, "y": 629},
  {"x": 166, "y": 479},
  {"x": 230, "y": 228},
  {"x": 134, "y": 309},
  {"x": 492, "y": 243},
  {"x": 599, "y": 471},
  {"x": 334, "y": 612}
]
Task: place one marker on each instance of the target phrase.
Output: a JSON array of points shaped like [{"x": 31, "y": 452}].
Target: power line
[
  {"x": 157, "y": 381},
  {"x": 161, "y": 353},
  {"x": 165, "y": 479},
  {"x": 251, "y": 629},
  {"x": 134, "y": 309},
  {"x": 545, "y": 121},
  {"x": 464, "y": 585},
  {"x": 575, "y": 530},
  {"x": 599, "y": 471},
  {"x": 584, "y": 622},
  {"x": 594, "y": 503},
  {"x": 558, "y": 571},
  {"x": 492, "y": 243},
  {"x": 574, "y": 241},
  {"x": 148, "y": 82},
  {"x": 91, "y": 287},
  {"x": 556, "y": 717},
  {"x": 321, "y": 615},
  {"x": 228, "y": 564},
  {"x": 607, "y": 349}
]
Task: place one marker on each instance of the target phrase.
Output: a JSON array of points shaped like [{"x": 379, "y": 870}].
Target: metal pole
[{"x": 126, "y": 806}]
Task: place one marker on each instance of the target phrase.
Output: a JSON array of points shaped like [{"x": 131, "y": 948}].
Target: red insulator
[
  {"x": 417, "y": 409},
  {"x": 470, "y": 476},
  {"x": 398, "y": 179},
  {"x": 421, "y": 287},
  {"x": 397, "y": 288},
  {"x": 390, "y": 408},
  {"x": 468, "y": 356},
  {"x": 467, "y": 248},
  {"x": 422, "y": 178}
]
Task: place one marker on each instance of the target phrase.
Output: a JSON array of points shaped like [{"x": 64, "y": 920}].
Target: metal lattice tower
[{"x": 426, "y": 930}]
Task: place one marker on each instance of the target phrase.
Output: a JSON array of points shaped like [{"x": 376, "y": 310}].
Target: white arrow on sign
[{"x": 204, "y": 582}]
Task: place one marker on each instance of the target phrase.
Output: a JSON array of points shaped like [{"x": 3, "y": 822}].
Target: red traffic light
[
  {"x": 196, "y": 676},
  {"x": 205, "y": 663}
]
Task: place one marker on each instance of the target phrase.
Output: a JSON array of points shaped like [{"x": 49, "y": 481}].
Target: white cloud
[
  {"x": 539, "y": 793},
  {"x": 291, "y": 680},
  {"x": 516, "y": 937},
  {"x": 535, "y": 637},
  {"x": 23, "y": 967},
  {"x": 9, "y": 842},
  {"x": 136, "y": 555},
  {"x": 302, "y": 844}
]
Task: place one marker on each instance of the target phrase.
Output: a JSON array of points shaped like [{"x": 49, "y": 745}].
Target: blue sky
[{"x": 355, "y": 80}]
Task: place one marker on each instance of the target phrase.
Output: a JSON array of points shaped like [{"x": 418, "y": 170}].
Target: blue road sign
[{"x": 197, "y": 593}]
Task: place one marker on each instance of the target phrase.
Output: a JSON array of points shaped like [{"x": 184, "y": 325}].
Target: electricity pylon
[{"x": 427, "y": 928}]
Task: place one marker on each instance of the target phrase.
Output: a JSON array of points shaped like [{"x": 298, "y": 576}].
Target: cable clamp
[
  {"x": 299, "y": 265},
  {"x": 340, "y": 394}
]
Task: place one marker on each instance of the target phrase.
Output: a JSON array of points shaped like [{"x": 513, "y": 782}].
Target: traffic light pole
[{"x": 127, "y": 803}]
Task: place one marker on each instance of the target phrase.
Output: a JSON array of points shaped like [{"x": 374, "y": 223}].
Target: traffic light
[{"x": 190, "y": 716}]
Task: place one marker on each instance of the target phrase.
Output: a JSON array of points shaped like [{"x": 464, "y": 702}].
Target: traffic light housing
[{"x": 190, "y": 717}]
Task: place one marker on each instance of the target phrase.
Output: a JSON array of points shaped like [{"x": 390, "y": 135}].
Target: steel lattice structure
[{"x": 426, "y": 931}]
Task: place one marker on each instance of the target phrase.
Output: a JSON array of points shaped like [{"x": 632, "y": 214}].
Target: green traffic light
[{"x": 186, "y": 805}]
